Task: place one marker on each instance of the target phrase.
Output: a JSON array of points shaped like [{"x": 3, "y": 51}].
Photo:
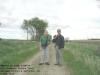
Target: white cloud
[{"x": 82, "y": 16}]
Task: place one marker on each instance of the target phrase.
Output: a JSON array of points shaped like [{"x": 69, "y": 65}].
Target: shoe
[
  {"x": 47, "y": 63},
  {"x": 56, "y": 64},
  {"x": 40, "y": 63},
  {"x": 60, "y": 65}
]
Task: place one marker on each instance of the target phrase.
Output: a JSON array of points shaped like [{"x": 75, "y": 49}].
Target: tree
[
  {"x": 35, "y": 27},
  {"x": 25, "y": 26}
]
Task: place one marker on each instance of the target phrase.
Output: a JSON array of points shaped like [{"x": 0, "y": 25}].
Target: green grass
[
  {"x": 81, "y": 58},
  {"x": 16, "y": 52}
]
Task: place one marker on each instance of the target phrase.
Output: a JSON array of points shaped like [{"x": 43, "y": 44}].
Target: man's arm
[
  {"x": 49, "y": 40},
  {"x": 62, "y": 42}
]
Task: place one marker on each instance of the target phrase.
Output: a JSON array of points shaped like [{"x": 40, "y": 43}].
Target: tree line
[{"x": 34, "y": 27}]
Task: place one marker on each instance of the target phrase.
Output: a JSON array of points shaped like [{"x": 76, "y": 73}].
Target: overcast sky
[{"x": 78, "y": 19}]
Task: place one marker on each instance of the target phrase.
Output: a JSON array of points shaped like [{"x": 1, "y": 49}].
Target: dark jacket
[{"x": 59, "y": 41}]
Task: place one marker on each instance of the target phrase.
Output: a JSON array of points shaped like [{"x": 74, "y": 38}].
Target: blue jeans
[
  {"x": 44, "y": 52},
  {"x": 58, "y": 55}
]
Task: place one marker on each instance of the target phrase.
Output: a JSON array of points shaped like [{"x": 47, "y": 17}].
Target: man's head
[
  {"x": 45, "y": 32},
  {"x": 59, "y": 31}
]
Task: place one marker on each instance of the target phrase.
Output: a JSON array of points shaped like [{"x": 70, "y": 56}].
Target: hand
[
  {"x": 54, "y": 36},
  {"x": 49, "y": 43}
]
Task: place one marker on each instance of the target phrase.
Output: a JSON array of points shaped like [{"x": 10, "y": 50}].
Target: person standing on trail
[
  {"x": 44, "y": 42},
  {"x": 59, "y": 45}
]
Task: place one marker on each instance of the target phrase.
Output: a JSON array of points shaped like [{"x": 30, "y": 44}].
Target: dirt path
[{"x": 45, "y": 69}]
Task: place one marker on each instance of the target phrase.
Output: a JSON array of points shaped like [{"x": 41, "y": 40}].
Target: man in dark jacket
[{"x": 59, "y": 45}]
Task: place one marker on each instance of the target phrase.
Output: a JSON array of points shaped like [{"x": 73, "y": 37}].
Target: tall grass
[
  {"x": 16, "y": 52},
  {"x": 82, "y": 59}
]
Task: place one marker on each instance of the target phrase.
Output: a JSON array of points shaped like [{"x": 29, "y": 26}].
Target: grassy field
[
  {"x": 16, "y": 52},
  {"x": 83, "y": 57}
]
